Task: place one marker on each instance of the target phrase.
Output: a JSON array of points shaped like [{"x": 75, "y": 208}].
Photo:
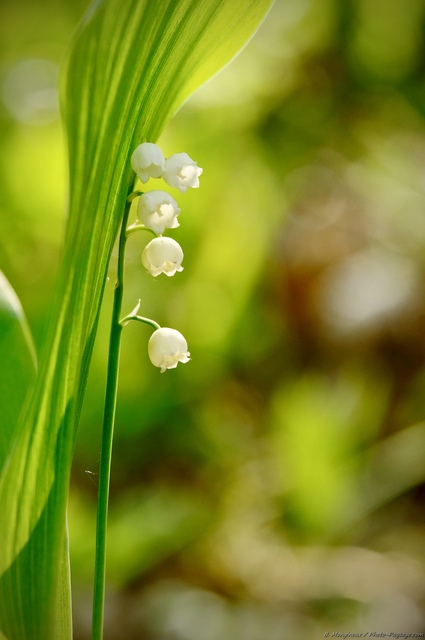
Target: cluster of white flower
[
  {"x": 157, "y": 211},
  {"x": 178, "y": 170}
]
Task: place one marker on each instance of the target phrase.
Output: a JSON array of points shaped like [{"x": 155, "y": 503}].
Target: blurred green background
[{"x": 273, "y": 487}]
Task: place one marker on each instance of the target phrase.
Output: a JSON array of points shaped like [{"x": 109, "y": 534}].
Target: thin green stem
[
  {"x": 139, "y": 227},
  {"x": 133, "y": 195},
  {"x": 147, "y": 321},
  {"x": 107, "y": 438}
]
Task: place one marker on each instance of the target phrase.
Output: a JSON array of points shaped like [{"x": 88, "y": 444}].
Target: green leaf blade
[{"x": 18, "y": 365}]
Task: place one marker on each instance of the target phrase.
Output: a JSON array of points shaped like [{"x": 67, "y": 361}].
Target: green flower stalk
[{"x": 167, "y": 347}]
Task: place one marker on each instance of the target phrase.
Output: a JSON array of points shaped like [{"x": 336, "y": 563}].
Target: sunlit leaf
[
  {"x": 17, "y": 375},
  {"x": 17, "y": 370},
  {"x": 131, "y": 66}
]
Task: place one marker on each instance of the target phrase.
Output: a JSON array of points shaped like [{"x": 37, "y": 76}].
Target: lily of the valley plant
[
  {"x": 131, "y": 64},
  {"x": 167, "y": 347}
]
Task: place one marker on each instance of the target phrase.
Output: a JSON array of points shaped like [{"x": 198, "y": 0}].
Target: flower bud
[
  {"x": 166, "y": 348},
  {"x": 158, "y": 211},
  {"x": 181, "y": 172},
  {"x": 162, "y": 255},
  {"x": 148, "y": 161}
]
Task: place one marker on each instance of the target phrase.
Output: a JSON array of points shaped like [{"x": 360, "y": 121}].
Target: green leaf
[
  {"x": 18, "y": 365},
  {"x": 17, "y": 375},
  {"x": 132, "y": 64}
]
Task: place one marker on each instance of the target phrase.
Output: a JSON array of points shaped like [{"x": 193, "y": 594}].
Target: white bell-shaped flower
[
  {"x": 166, "y": 348},
  {"x": 148, "y": 161},
  {"x": 158, "y": 211},
  {"x": 162, "y": 255},
  {"x": 181, "y": 172}
]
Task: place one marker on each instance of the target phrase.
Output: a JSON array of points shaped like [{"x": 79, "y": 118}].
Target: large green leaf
[
  {"x": 18, "y": 365},
  {"x": 17, "y": 375},
  {"x": 132, "y": 64}
]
